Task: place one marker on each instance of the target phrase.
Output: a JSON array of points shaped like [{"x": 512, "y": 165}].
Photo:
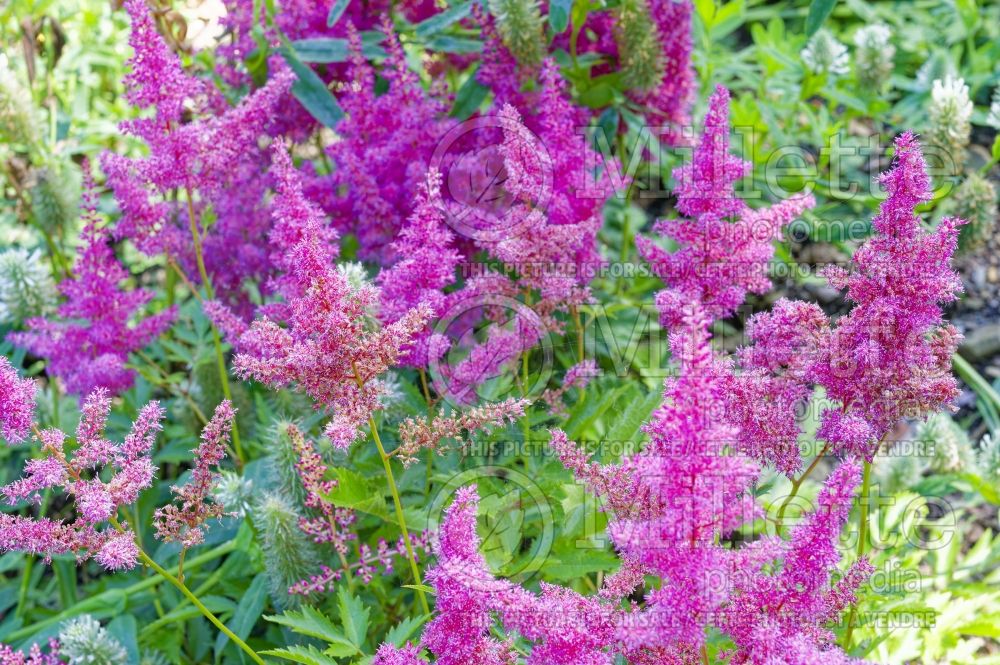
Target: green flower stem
[
  {"x": 975, "y": 380},
  {"x": 217, "y": 341},
  {"x": 865, "y": 502},
  {"x": 796, "y": 484},
  {"x": 399, "y": 515}
]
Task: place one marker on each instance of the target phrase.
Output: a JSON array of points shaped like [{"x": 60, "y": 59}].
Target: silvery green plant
[
  {"x": 55, "y": 195},
  {"x": 950, "y": 113},
  {"x": 289, "y": 556},
  {"x": 974, "y": 200},
  {"x": 937, "y": 66},
  {"x": 824, "y": 54},
  {"x": 639, "y": 47},
  {"x": 26, "y": 286},
  {"x": 993, "y": 118},
  {"x": 17, "y": 115},
  {"x": 519, "y": 23},
  {"x": 873, "y": 56},
  {"x": 83, "y": 641},
  {"x": 234, "y": 492}
]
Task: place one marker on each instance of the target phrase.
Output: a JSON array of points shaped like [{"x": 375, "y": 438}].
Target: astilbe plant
[
  {"x": 35, "y": 655},
  {"x": 87, "y": 344}
]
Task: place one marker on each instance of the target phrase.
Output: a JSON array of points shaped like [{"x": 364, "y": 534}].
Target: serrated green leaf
[
  {"x": 354, "y": 491},
  {"x": 626, "y": 428},
  {"x": 404, "y": 630},
  {"x": 311, "y": 622},
  {"x": 353, "y": 617},
  {"x": 309, "y": 655}
]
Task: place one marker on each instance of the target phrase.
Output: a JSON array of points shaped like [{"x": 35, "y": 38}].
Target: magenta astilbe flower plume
[
  {"x": 95, "y": 500},
  {"x": 87, "y": 346},
  {"x": 724, "y": 245},
  {"x": 891, "y": 356},
  {"x": 35, "y": 656},
  {"x": 426, "y": 264},
  {"x": 384, "y": 147},
  {"x": 17, "y": 403},
  {"x": 323, "y": 346},
  {"x": 184, "y": 523},
  {"x": 388, "y": 654},
  {"x": 780, "y": 616}
]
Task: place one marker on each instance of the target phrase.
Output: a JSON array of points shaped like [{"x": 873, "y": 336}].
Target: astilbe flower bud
[
  {"x": 289, "y": 556},
  {"x": 949, "y": 114},
  {"x": 83, "y": 641},
  {"x": 975, "y": 200},
  {"x": 324, "y": 347},
  {"x": 35, "y": 656},
  {"x": 17, "y": 403},
  {"x": 724, "y": 244},
  {"x": 578, "y": 376},
  {"x": 519, "y": 23},
  {"x": 824, "y": 54},
  {"x": 26, "y": 286},
  {"x": 890, "y": 357},
  {"x": 87, "y": 346},
  {"x": 639, "y": 49},
  {"x": 184, "y": 523},
  {"x": 95, "y": 500},
  {"x": 416, "y": 435},
  {"x": 873, "y": 56}
]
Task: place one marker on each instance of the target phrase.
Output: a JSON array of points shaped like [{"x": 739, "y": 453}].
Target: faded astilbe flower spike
[
  {"x": 184, "y": 522},
  {"x": 639, "y": 47},
  {"x": 416, "y": 435},
  {"x": 289, "y": 556},
  {"x": 96, "y": 502},
  {"x": 17, "y": 403},
  {"x": 975, "y": 200},
  {"x": 519, "y": 23},
  {"x": 87, "y": 346},
  {"x": 578, "y": 376},
  {"x": 949, "y": 113},
  {"x": 873, "y": 56},
  {"x": 324, "y": 346},
  {"x": 824, "y": 54}
]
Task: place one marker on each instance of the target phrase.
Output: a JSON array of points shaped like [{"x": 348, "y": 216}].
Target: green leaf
[
  {"x": 438, "y": 22},
  {"x": 311, "y": 92},
  {"x": 819, "y": 10},
  {"x": 338, "y": 50},
  {"x": 969, "y": 13},
  {"x": 311, "y": 622},
  {"x": 336, "y": 11},
  {"x": 355, "y": 492},
  {"x": 419, "y": 587},
  {"x": 247, "y": 612},
  {"x": 451, "y": 44},
  {"x": 404, "y": 630},
  {"x": 559, "y": 15},
  {"x": 626, "y": 428},
  {"x": 469, "y": 97},
  {"x": 309, "y": 655},
  {"x": 353, "y": 617},
  {"x": 996, "y": 148}
]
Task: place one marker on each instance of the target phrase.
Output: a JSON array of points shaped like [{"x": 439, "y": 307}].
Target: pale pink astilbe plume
[
  {"x": 98, "y": 325},
  {"x": 17, "y": 403},
  {"x": 890, "y": 357},
  {"x": 184, "y": 522},
  {"x": 35, "y": 655},
  {"x": 382, "y": 561},
  {"x": 424, "y": 433},
  {"x": 96, "y": 501},
  {"x": 427, "y": 260},
  {"x": 385, "y": 145},
  {"x": 779, "y": 612},
  {"x": 317, "y": 338},
  {"x": 777, "y": 379},
  {"x": 724, "y": 244},
  {"x": 577, "y": 376},
  {"x": 564, "y": 627},
  {"x": 330, "y": 524}
]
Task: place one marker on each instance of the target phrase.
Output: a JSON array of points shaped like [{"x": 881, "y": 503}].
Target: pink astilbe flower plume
[
  {"x": 17, "y": 403},
  {"x": 35, "y": 655},
  {"x": 96, "y": 501},
  {"x": 724, "y": 244},
  {"x": 98, "y": 325},
  {"x": 323, "y": 346},
  {"x": 425, "y": 433},
  {"x": 183, "y": 522},
  {"x": 426, "y": 264},
  {"x": 890, "y": 357},
  {"x": 781, "y": 616}
]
